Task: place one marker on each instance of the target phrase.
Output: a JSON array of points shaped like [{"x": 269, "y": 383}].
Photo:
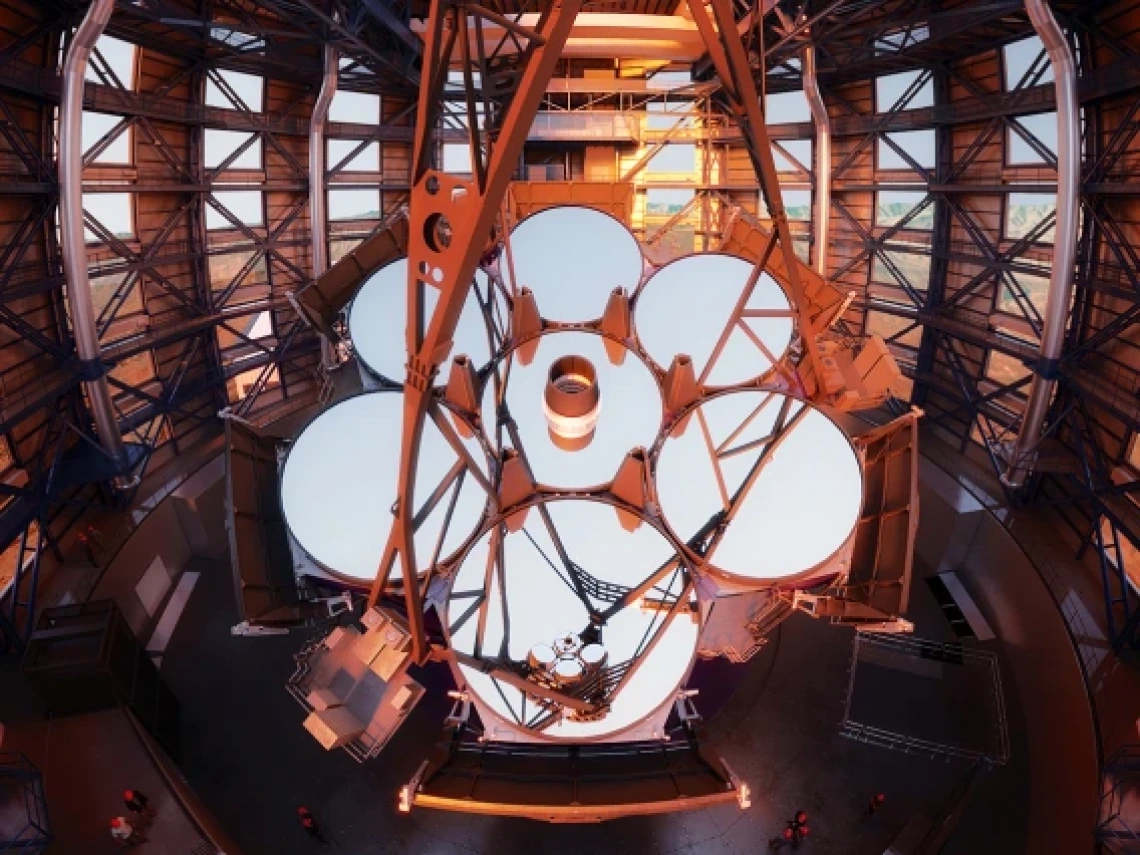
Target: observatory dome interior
[{"x": 561, "y": 426}]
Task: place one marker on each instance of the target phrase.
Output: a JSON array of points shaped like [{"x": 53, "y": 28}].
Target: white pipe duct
[
  {"x": 1023, "y": 451},
  {"x": 73, "y": 242},
  {"x": 822, "y": 227},
  {"x": 318, "y": 204}
]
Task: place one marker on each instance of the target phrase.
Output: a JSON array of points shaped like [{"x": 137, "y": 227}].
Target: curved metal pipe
[
  {"x": 72, "y": 242},
  {"x": 822, "y": 158},
  {"x": 318, "y": 211},
  {"x": 1022, "y": 453},
  {"x": 318, "y": 207}
]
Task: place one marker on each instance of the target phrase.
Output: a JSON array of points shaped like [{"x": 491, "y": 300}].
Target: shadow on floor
[{"x": 250, "y": 760}]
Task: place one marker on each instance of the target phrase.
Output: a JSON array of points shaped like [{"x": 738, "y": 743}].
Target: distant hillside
[
  {"x": 1021, "y": 219},
  {"x": 224, "y": 267},
  {"x": 890, "y": 213},
  {"x": 662, "y": 209},
  {"x": 103, "y": 289},
  {"x": 915, "y": 266},
  {"x": 665, "y": 209},
  {"x": 355, "y": 215}
]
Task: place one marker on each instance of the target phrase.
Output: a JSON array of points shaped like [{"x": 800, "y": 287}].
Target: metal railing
[
  {"x": 34, "y": 835},
  {"x": 908, "y": 645},
  {"x": 581, "y": 125}
]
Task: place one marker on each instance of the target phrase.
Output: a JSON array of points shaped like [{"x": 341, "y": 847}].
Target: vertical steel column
[
  {"x": 73, "y": 245},
  {"x": 318, "y": 207},
  {"x": 1056, "y": 314},
  {"x": 822, "y": 120},
  {"x": 939, "y": 241}
]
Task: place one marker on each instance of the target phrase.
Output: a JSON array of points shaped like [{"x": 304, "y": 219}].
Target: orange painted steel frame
[
  {"x": 452, "y": 220},
  {"x": 726, "y": 50}
]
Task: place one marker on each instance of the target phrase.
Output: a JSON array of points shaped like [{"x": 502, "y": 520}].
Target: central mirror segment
[{"x": 572, "y": 401}]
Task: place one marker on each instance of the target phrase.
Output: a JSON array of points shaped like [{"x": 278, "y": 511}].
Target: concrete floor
[
  {"x": 247, "y": 756},
  {"x": 249, "y": 759},
  {"x": 86, "y": 761}
]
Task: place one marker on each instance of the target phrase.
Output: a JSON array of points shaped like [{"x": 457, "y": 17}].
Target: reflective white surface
[
  {"x": 338, "y": 486},
  {"x": 572, "y": 258},
  {"x": 592, "y": 654},
  {"x": 631, "y": 412},
  {"x": 804, "y": 504},
  {"x": 541, "y": 608},
  {"x": 378, "y": 316},
  {"x": 686, "y": 305}
]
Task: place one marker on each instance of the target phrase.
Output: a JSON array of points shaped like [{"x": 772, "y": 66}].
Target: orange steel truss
[
  {"x": 454, "y": 222},
  {"x": 451, "y": 221}
]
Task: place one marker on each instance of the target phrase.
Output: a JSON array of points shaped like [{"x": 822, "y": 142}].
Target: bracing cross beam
[{"x": 452, "y": 220}]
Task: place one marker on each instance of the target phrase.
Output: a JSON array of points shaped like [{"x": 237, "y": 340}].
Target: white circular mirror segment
[
  {"x": 803, "y": 505},
  {"x": 686, "y": 306},
  {"x": 541, "y": 609},
  {"x": 378, "y": 317},
  {"x": 339, "y": 482},
  {"x": 572, "y": 258},
  {"x": 630, "y": 415}
]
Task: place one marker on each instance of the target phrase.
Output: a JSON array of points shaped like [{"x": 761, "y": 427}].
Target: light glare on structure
[{"x": 572, "y": 402}]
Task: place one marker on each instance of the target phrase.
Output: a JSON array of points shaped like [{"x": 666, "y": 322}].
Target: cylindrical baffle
[{"x": 572, "y": 402}]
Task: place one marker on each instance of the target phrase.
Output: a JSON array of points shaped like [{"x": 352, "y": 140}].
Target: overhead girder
[
  {"x": 267, "y": 41},
  {"x": 600, "y": 35}
]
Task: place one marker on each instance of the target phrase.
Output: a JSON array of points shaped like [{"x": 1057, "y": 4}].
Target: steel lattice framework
[
  {"x": 451, "y": 220},
  {"x": 1091, "y": 424},
  {"x": 49, "y": 482}
]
